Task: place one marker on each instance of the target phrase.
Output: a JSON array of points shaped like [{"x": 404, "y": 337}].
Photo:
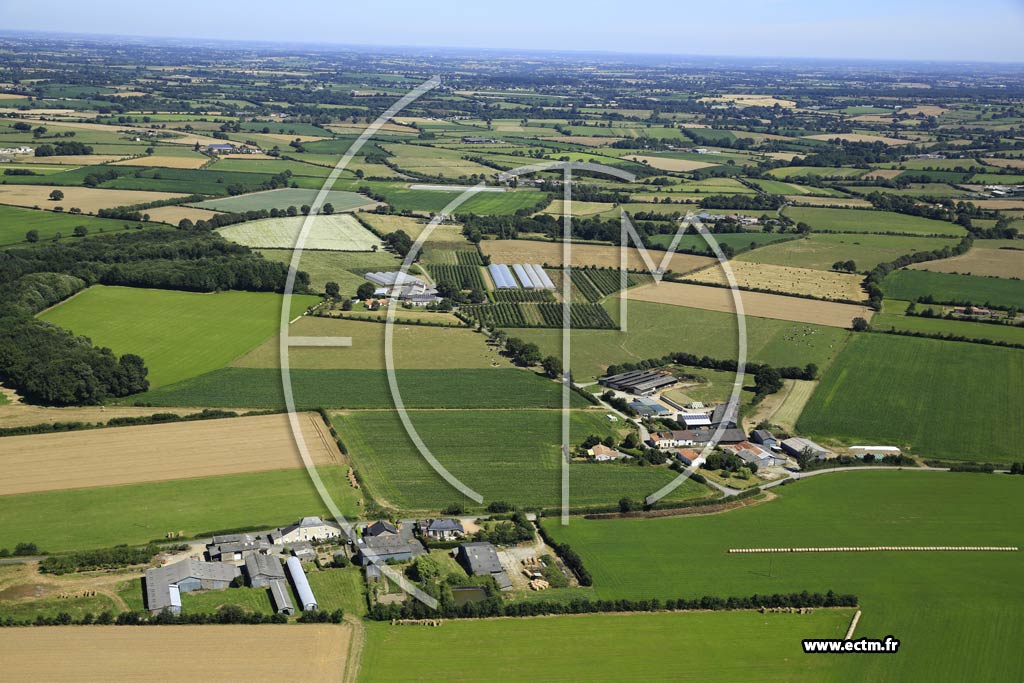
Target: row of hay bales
[{"x": 863, "y": 549}]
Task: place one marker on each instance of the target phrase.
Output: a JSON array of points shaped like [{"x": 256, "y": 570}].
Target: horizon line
[{"x": 283, "y": 43}]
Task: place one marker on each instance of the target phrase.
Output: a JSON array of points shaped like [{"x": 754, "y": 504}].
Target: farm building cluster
[
  {"x": 404, "y": 287},
  {"x": 255, "y": 557}
]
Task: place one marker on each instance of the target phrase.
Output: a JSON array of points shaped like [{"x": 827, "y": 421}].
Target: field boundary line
[{"x": 853, "y": 625}]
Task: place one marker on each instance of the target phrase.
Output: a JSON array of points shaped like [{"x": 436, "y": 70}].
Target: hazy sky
[{"x": 987, "y": 30}]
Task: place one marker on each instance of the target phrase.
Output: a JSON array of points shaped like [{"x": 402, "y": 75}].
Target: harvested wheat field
[
  {"x": 755, "y": 304},
  {"x": 166, "y": 161},
  {"x": 17, "y": 414},
  {"x": 990, "y": 262},
  {"x": 89, "y": 200},
  {"x": 843, "y": 202},
  {"x": 174, "y": 214},
  {"x": 666, "y": 164},
  {"x": 805, "y": 281},
  {"x": 177, "y": 450},
  {"x": 386, "y": 223},
  {"x": 1005, "y": 163},
  {"x": 1000, "y": 204},
  {"x": 883, "y": 173},
  {"x": 75, "y": 159},
  {"x": 751, "y": 100},
  {"x": 307, "y": 652},
  {"x": 585, "y": 140},
  {"x": 858, "y": 137},
  {"x": 550, "y": 253}
]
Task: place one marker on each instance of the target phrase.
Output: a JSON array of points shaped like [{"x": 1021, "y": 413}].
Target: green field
[
  {"x": 820, "y": 171},
  {"x": 339, "y": 589},
  {"x": 345, "y": 268},
  {"x": 821, "y": 250},
  {"x": 464, "y": 388},
  {"x": 658, "y": 329},
  {"x": 945, "y": 399},
  {"x": 102, "y": 517},
  {"x": 606, "y": 647},
  {"x": 178, "y": 334},
  {"x": 16, "y": 221},
  {"x": 952, "y": 611},
  {"x": 739, "y": 242},
  {"x": 283, "y": 198},
  {"x": 500, "y": 203},
  {"x": 956, "y": 614},
  {"x": 892, "y": 318},
  {"x": 861, "y": 220},
  {"x": 909, "y": 285},
  {"x": 413, "y": 346},
  {"x": 508, "y": 457}
]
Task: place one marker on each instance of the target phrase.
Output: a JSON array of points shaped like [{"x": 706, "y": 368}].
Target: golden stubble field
[
  {"x": 666, "y": 164},
  {"x": 754, "y": 303},
  {"x": 178, "y": 450},
  {"x": 89, "y": 200},
  {"x": 174, "y": 214},
  {"x": 165, "y": 161},
  {"x": 990, "y": 262},
  {"x": 550, "y": 253},
  {"x": 804, "y": 281},
  {"x": 173, "y": 654}
]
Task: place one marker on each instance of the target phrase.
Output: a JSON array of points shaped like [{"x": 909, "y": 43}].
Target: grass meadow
[
  {"x": 463, "y": 388},
  {"x": 344, "y": 267},
  {"x": 606, "y": 647},
  {"x": 945, "y": 399},
  {"x": 658, "y": 329},
  {"x": 16, "y": 221},
  {"x": 910, "y": 285},
  {"x": 511, "y": 457},
  {"x": 860, "y": 220},
  {"x": 957, "y": 614},
  {"x": 821, "y": 250},
  {"x": 178, "y": 334},
  {"x": 101, "y": 517}
]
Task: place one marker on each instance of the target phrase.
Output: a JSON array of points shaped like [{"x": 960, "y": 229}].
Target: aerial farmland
[{"x": 346, "y": 362}]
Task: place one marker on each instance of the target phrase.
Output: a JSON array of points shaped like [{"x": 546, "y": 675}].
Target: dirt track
[
  {"x": 754, "y": 303},
  {"x": 179, "y": 450},
  {"x": 308, "y": 652}
]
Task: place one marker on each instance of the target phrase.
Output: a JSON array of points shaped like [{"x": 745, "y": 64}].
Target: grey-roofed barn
[
  {"x": 263, "y": 570},
  {"x": 481, "y": 559},
  {"x": 280, "y": 597},
  {"x": 165, "y": 584}
]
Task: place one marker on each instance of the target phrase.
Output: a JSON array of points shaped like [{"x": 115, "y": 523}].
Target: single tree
[
  {"x": 32, "y": 236},
  {"x": 332, "y": 289},
  {"x": 365, "y": 291},
  {"x": 56, "y": 196}
]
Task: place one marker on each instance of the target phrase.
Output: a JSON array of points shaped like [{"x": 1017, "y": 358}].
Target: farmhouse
[
  {"x": 472, "y": 140},
  {"x": 796, "y": 445},
  {"x": 481, "y": 559},
  {"x": 306, "y": 529},
  {"x": 754, "y": 454},
  {"x": 262, "y": 570},
  {"x": 220, "y": 147},
  {"x": 687, "y": 456},
  {"x": 380, "y": 528},
  {"x": 164, "y": 585},
  {"x": 602, "y": 453},
  {"x": 441, "y": 529},
  {"x": 639, "y": 382}
]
